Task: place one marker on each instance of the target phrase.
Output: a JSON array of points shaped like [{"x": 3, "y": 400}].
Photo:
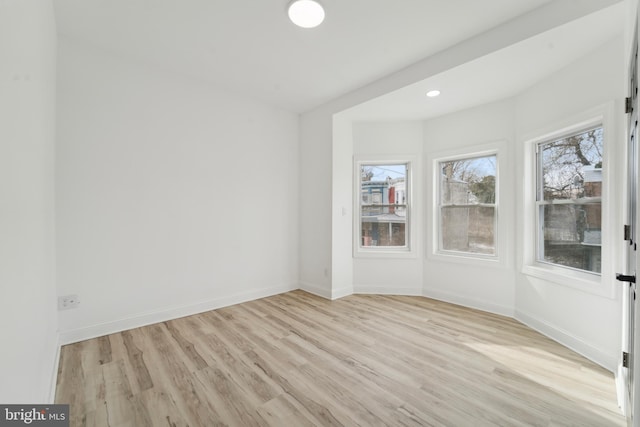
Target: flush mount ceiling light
[
  {"x": 433, "y": 93},
  {"x": 306, "y": 13}
]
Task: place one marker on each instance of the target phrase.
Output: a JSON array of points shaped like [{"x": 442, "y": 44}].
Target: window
[
  {"x": 383, "y": 210},
  {"x": 467, "y": 205},
  {"x": 569, "y": 200}
]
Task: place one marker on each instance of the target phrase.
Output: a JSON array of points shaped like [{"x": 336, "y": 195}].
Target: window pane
[
  {"x": 468, "y": 181},
  {"x": 463, "y": 184},
  {"x": 469, "y": 229},
  {"x": 383, "y": 205},
  {"x": 570, "y": 166},
  {"x": 570, "y": 169},
  {"x": 572, "y": 235},
  {"x": 383, "y": 234}
]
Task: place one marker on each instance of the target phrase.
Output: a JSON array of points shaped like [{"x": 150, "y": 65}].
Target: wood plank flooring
[{"x": 299, "y": 360}]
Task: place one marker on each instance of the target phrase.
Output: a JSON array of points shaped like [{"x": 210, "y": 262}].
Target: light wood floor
[{"x": 299, "y": 360}]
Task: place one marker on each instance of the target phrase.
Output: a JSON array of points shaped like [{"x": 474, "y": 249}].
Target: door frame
[{"x": 631, "y": 397}]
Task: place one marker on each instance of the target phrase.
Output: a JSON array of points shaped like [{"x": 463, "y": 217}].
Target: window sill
[
  {"x": 385, "y": 253},
  {"x": 467, "y": 259}
]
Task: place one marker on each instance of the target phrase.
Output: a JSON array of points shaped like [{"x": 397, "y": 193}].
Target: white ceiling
[
  {"x": 250, "y": 47},
  {"x": 499, "y": 75}
]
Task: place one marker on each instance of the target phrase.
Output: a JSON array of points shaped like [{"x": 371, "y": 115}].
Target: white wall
[
  {"x": 585, "y": 321},
  {"x": 442, "y": 277},
  {"x": 480, "y": 283},
  {"x": 342, "y": 202},
  {"x": 315, "y": 203},
  {"x": 390, "y": 275},
  {"x": 173, "y": 197},
  {"x": 28, "y": 320}
]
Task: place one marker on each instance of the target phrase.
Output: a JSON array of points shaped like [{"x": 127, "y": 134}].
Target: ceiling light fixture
[
  {"x": 306, "y": 13},
  {"x": 433, "y": 93}
]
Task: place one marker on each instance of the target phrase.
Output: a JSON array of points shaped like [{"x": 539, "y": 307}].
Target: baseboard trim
[
  {"x": 607, "y": 361},
  {"x": 621, "y": 390},
  {"x": 330, "y": 294},
  {"x": 148, "y": 318},
  {"x": 53, "y": 381},
  {"x": 341, "y": 292},
  {"x": 316, "y": 290},
  {"x": 469, "y": 302},
  {"x": 387, "y": 290},
  {"x": 594, "y": 354}
]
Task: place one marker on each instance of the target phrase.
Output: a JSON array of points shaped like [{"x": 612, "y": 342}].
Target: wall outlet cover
[{"x": 68, "y": 301}]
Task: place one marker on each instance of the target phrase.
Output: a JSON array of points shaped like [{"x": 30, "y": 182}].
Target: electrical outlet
[{"x": 68, "y": 301}]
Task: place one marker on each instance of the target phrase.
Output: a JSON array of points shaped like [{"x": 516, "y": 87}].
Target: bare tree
[
  {"x": 366, "y": 173},
  {"x": 478, "y": 174},
  {"x": 563, "y": 163}
]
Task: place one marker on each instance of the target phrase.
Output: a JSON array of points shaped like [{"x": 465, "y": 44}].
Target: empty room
[{"x": 318, "y": 213}]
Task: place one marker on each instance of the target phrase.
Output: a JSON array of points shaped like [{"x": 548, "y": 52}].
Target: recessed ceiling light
[
  {"x": 433, "y": 93},
  {"x": 306, "y": 13}
]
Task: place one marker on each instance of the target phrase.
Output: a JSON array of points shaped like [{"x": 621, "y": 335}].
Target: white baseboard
[
  {"x": 341, "y": 292},
  {"x": 53, "y": 382},
  {"x": 606, "y": 360},
  {"x": 148, "y": 318},
  {"x": 469, "y": 302},
  {"x": 316, "y": 290},
  {"x": 330, "y": 294},
  {"x": 387, "y": 290},
  {"x": 621, "y": 390}
]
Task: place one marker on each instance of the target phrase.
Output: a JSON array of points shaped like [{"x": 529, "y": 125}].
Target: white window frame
[
  {"x": 407, "y": 251},
  {"x": 494, "y": 205},
  {"x": 435, "y": 251},
  {"x": 595, "y": 283},
  {"x": 539, "y": 227}
]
